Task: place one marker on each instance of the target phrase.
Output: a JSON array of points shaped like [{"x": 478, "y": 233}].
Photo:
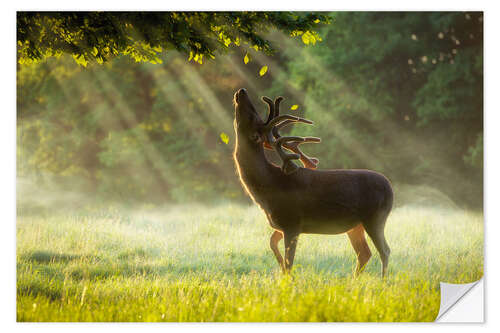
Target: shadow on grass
[
  {"x": 135, "y": 263},
  {"x": 56, "y": 268},
  {"x": 47, "y": 257}
]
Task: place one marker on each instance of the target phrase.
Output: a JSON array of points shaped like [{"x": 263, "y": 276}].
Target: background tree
[{"x": 403, "y": 94}]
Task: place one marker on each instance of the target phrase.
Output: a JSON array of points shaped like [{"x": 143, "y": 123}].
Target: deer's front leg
[
  {"x": 291, "y": 239},
  {"x": 275, "y": 239},
  {"x": 358, "y": 242}
]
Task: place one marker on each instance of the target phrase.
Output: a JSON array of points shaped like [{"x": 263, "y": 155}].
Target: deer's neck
[{"x": 253, "y": 168}]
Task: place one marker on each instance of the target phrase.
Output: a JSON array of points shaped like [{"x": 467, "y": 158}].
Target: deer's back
[{"x": 328, "y": 201}]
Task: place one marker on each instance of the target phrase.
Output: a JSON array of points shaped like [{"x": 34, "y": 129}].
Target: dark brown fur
[{"x": 310, "y": 201}]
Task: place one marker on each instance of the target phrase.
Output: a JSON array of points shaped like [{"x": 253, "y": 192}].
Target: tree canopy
[{"x": 100, "y": 36}]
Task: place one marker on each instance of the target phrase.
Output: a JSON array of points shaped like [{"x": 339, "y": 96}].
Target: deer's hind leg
[
  {"x": 375, "y": 229},
  {"x": 358, "y": 242},
  {"x": 275, "y": 239}
]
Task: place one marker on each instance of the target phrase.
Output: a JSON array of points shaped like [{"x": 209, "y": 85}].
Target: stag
[{"x": 299, "y": 200}]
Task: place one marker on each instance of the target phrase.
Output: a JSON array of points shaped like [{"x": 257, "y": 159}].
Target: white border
[
  {"x": 492, "y": 165},
  {"x": 260, "y": 5}
]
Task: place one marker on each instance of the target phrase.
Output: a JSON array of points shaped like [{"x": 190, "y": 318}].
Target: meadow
[{"x": 213, "y": 263}]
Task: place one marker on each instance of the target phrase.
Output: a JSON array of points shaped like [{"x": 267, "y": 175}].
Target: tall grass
[{"x": 198, "y": 263}]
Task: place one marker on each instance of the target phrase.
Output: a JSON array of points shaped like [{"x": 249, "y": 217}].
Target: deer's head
[
  {"x": 247, "y": 122},
  {"x": 250, "y": 127}
]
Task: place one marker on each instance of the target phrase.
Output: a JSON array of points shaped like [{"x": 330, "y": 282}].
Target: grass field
[{"x": 195, "y": 263}]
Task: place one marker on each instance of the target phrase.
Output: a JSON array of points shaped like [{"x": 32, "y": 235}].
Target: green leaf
[
  {"x": 80, "y": 60},
  {"x": 305, "y": 39},
  {"x": 104, "y": 43},
  {"x": 308, "y": 38},
  {"x": 198, "y": 57},
  {"x": 246, "y": 59},
  {"x": 294, "y": 107},
  {"x": 224, "y": 137},
  {"x": 263, "y": 71}
]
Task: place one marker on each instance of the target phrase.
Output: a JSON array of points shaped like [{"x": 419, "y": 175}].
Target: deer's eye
[{"x": 255, "y": 137}]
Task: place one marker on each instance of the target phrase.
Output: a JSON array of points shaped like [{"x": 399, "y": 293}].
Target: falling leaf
[
  {"x": 246, "y": 59},
  {"x": 263, "y": 70},
  {"x": 224, "y": 138},
  {"x": 294, "y": 107}
]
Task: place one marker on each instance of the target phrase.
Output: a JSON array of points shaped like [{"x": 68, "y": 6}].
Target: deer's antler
[{"x": 273, "y": 140}]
